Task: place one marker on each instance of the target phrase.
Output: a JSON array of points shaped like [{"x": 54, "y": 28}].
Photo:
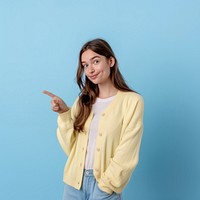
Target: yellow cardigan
[{"x": 117, "y": 146}]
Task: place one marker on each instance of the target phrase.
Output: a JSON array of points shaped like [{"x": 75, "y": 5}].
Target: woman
[{"x": 101, "y": 133}]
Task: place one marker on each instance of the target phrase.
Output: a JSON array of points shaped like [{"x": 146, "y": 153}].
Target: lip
[{"x": 93, "y": 77}]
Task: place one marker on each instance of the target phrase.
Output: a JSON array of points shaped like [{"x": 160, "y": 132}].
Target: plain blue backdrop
[{"x": 157, "y": 44}]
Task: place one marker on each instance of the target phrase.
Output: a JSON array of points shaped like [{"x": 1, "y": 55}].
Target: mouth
[{"x": 93, "y": 77}]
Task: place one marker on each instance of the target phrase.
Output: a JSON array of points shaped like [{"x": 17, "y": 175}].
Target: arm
[
  {"x": 65, "y": 131},
  {"x": 66, "y": 117},
  {"x": 126, "y": 154}
]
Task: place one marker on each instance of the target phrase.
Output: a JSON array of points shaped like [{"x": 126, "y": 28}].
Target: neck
[{"x": 106, "y": 91}]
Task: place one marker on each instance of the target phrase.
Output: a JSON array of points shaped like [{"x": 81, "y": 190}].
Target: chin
[{"x": 95, "y": 81}]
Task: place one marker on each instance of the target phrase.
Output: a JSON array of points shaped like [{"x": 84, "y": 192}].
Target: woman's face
[{"x": 97, "y": 67}]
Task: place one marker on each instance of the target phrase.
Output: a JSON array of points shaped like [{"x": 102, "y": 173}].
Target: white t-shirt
[{"x": 97, "y": 108}]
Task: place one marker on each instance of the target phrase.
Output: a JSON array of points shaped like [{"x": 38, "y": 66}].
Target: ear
[{"x": 111, "y": 61}]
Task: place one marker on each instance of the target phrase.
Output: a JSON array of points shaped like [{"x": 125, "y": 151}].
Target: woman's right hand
[{"x": 57, "y": 104}]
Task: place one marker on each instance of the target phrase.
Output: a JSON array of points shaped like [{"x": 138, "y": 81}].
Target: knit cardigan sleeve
[
  {"x": 126, "y": 156},
  {"x": 65, "y": 131}
]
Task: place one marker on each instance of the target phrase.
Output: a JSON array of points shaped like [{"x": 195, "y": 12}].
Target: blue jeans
[{"x": 89, "y": 190}]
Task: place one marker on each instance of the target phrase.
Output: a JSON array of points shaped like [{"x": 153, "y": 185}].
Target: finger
[
  {"x": 55, "y": 108},
  {"x": 55, "y": 101},
  {"x": 49, "y": 93}
]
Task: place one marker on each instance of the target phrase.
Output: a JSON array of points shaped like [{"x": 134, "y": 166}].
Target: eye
[
  {"x": 85, "y": 65},
  {"x": 96, "y": 62}
]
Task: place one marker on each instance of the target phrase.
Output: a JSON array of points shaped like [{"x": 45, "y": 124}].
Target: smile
[{"x": 94, "y": 76}]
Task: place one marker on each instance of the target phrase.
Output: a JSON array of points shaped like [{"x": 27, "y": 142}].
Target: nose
[{"x": 91, "y": 69}]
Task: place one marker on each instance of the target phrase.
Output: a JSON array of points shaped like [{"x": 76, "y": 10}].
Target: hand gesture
[{"x": 57, "y": 104}]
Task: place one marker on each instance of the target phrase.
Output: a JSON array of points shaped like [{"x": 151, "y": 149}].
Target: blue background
[{"x": 157, "y": 44}]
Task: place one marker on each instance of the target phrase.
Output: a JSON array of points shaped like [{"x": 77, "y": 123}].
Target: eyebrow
[{"x": 91, "y": 58}]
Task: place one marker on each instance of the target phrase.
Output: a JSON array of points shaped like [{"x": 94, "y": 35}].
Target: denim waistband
[{"x": 88, "y": 172}]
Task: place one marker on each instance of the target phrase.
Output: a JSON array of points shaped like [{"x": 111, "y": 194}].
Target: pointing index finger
[{"x": 49, "y": 93}]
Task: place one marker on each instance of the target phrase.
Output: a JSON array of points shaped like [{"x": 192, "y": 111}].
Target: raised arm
[{"x": 66, "y": 116}]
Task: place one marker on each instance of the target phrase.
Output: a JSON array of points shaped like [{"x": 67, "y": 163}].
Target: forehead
[{"x": 88, "y": 55}]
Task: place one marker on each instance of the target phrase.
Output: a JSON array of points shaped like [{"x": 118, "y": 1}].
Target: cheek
[
  {"x": 85, "y": 71},
  {"x": 105, "y": 70},
  {"x": 108, "y": 71}
]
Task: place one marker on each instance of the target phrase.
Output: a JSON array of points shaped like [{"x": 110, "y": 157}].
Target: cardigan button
[
  {"x": 103, "y": 114},
  {"x": 100, "y": 134},
  {"x": 98, "y": 149}
]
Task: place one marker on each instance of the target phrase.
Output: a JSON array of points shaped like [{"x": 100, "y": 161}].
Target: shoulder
[
  {"x": 74, "y": 107},
  {"x": 132, "y": 103},
  {"x": 130, "y": 96}
]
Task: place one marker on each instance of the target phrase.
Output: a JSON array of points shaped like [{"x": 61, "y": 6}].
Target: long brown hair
[{"x": 90, "y": 91}]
